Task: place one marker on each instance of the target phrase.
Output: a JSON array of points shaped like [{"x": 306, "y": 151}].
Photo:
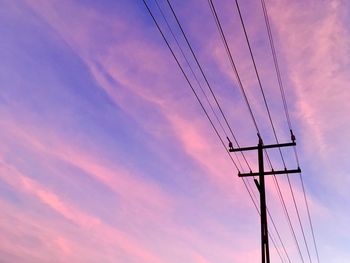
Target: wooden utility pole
[{"x": 265, "y": 254}]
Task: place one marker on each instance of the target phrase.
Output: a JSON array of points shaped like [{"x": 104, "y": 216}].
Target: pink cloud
[
  {"x": 122, "y": 181},
  {"x": 313, "y": 63},
  {"x": 194, "y": 135},
  {"x": 317, "y": 55},
  {"x": 72, "y": 213},
  {"x": 199, "y": 259}
]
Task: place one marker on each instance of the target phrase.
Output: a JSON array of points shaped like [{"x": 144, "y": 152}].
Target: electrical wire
[
  {"x": 222, "y": 34},
  {"x": 279, "y": 78},
  {"x": 272, "y": 124},
  {"x": 280, "y": 83},
  {"x": 206, "y": 79},
  {"x": 179, "y": 24},
  {"x": 280, "y": 195},
  {"x": 279, "y": 237},
  {"x": 194, "y": 75},
  {"x": 189, "y": 83},
  {"x": 202, "y": 106},
  {"x": 233, "y": 65}
]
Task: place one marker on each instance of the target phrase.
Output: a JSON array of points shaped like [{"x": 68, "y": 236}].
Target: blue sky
[{"x": 107, "y": 157}]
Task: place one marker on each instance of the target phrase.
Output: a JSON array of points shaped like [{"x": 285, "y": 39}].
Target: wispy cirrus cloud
[
  {"x": 317, "y": 54},
  {"x": 110, "y": 139},
  {"x": 87, "y": 222}
]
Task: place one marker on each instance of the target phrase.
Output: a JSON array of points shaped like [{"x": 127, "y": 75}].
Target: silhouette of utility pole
[{"x": 265, "y": 254}]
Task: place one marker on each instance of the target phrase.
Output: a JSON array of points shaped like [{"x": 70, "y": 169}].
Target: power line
[
  {"x": 274, "y": 244},
  {"x": 270, "y": 216},
  {"x": 280, "y": 83},
  {"x": 173, "y": 11},
  {"x": 205, "y": 78},
  {"x": 274, "y": 226},
  {"x": 285, "y": 207},
  {"x": 272, "y": 124},
  {"x": 261, "y": 187},
  {"x": 273, "y": 50},
  {"x": 222, "y": 34},
  {"x": 287, "y": 216},
  {"x": 193, "y": 73},
  {"x": 279, "y": 237},
  {"x": 241, "y": 86},
  {"x": 309, "y": 217},
  {"x": 256, "y": 72},
  {"x": 273, "y": 223},
  {"x": 189, "y": 65},
  {"x": 193, "y": 90},
  {"x": 233, "y": 65},
  {"x": 179, "y": 24},
  {"x": 188, "y": 81}
]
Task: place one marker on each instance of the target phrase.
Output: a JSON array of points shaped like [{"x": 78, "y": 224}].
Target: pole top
[
  {"x": 260, "y": 140},
  {"x": 292, "y": 136}
]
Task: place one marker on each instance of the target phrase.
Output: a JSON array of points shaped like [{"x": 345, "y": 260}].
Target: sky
[{"x": 106, "y": 156}]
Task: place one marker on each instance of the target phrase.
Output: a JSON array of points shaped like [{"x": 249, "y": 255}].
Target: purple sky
[{"x": 106, "y": 156}]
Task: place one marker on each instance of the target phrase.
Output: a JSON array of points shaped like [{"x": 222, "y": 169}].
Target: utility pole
[{"x": 265, "y": 254}]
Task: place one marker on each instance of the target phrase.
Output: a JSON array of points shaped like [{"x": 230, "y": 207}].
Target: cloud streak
[{"x": 110, "y": 144}]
